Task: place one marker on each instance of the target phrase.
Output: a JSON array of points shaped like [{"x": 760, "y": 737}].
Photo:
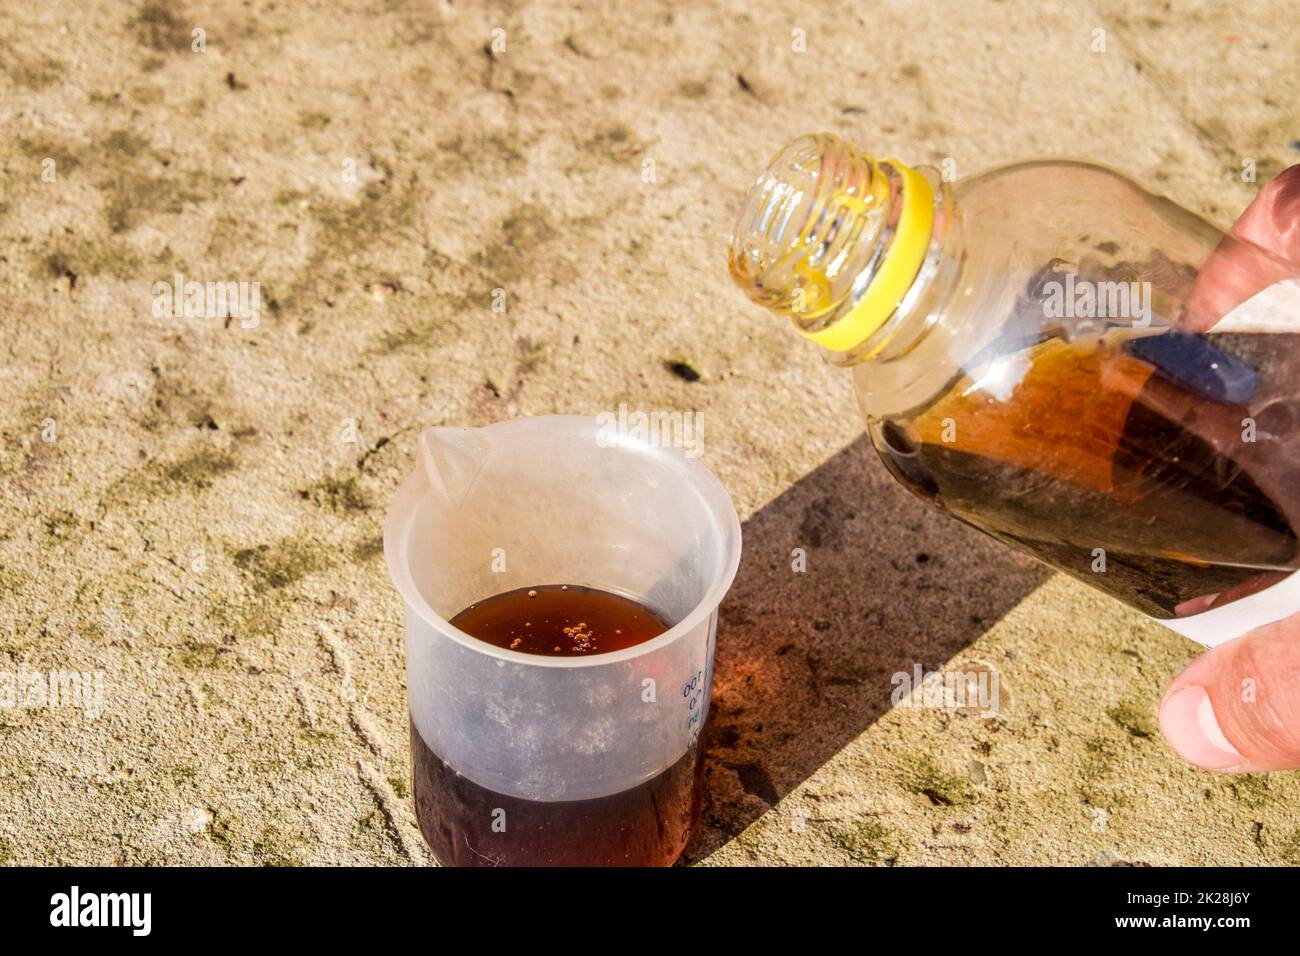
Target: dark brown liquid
[
  {"x": 647, "y": 825},
  {"x": 560, "y": 620},
  {"x": 469, "y": 825},
  {"x": 1135, "y": 448}
]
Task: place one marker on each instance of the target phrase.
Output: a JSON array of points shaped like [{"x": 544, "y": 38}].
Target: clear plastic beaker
[{"x": 527, "y": 759}]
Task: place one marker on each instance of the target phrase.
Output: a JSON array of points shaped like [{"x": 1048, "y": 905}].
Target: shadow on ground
[{"x": 804, "y": 659}]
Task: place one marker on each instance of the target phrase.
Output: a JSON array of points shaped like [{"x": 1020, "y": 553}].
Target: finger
[
  {"x": 1236, "y": 270},
  {"x": 1237, "y": 707},
  {"x": 1272, "y": 220},
  {"x": 1246, "y": 588}
]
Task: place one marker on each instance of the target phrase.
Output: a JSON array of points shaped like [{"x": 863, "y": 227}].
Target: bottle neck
[{"x": 852, "y": 249}]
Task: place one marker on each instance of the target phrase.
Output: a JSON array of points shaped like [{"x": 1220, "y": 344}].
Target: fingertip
[
  {"x": 1272, "y": 220},
  {"x": 1236, "y": 708},
  {"x": 1188, "y": 721}
]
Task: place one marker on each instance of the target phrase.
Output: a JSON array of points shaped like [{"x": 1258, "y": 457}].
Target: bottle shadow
[{"x": 805, "y": 657}]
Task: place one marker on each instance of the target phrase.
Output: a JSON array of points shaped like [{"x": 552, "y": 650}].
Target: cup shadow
[{"x": 804, "y": 658}]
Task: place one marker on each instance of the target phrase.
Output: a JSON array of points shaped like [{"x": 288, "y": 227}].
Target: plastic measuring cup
[{"x": 522, "y": 758}]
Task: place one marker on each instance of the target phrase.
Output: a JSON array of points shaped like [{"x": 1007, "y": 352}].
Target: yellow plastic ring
[{"x": 901, "y": 263}]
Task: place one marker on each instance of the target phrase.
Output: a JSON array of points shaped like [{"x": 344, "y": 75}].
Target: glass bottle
[{"x": 1047, "y": 351}]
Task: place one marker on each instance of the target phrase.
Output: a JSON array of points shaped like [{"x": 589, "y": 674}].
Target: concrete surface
[{"x": 194, "y": 508}]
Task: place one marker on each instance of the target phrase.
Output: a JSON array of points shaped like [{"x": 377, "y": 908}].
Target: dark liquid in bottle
[
  {"x": 1175, "y": 454},
  {"x": 646, "y": 825}
]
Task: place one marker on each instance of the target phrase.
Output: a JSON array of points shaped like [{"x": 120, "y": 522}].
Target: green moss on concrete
[
  {"x": 869, "y": 841},
  {"x": 943, "y": 787},
  {"x": 1137, "y": 717},
  {"x": 41, "y": 145},
  {"x": 200, "y": 655},
  {"x": 313, "y": 120},
  {"x": 31, "y": 70},
  {"x": 272, "y": 567},
  {"x": 523, "y": 234},
  {"x": 60, "y": 525},
  {"x": 131, "y": 197},
  {"x": 1099, "y": 779},
  {"x": 1251, "y": 790},
  {"x": 340, "y": 496},
  {"x": 276, "y": 847},
  {"x": 73, "y": 256},
  {"x": 198, "y": 469},
  {"x": 1290, "y": 848},
  {"x": 161, "y": 25}
]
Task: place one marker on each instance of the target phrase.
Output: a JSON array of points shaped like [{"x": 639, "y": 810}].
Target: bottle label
[{"x": 1222, "y": 624}]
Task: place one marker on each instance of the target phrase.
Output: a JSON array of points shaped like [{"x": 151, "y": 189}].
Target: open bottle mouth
[
  {"x": 802, "y": 233},
  {"x": 832, "y": 238}
]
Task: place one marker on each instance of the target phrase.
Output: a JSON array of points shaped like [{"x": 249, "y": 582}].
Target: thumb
[
  {"x": 1237, "y": 708},
  {"x": 1238, "y": 269}
]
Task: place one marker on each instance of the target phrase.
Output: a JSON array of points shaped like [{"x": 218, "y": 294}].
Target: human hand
[{"x": 1237, "y": 707}]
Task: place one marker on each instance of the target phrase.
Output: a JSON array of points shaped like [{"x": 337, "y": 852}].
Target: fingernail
[{"x": 1188, "y": 722}]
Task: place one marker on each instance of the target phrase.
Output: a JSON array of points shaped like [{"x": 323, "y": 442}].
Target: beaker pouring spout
[{"x": 451, "y": 459}]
